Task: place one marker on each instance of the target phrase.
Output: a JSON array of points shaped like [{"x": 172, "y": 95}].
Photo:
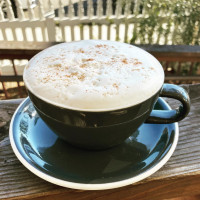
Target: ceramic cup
[
  {"x": 101, "y": 130},
  {"x": 106, "y": 128}
]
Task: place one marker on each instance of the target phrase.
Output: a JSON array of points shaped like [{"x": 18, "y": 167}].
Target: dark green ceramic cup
[{"x": 104, "y": 129}]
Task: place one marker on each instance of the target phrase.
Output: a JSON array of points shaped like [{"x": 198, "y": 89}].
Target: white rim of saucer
[{"x": 83, "y": 186}]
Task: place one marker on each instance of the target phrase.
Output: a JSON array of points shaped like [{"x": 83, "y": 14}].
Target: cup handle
[{"x": 171, "y": 116}]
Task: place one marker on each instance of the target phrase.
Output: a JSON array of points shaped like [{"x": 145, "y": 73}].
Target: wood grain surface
[{"x": 180, "y": 176}]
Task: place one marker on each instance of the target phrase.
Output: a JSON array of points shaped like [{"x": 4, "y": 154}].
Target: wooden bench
[{"x": 180, "y": 176}]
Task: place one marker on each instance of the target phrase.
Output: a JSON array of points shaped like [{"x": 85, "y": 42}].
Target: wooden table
[{"x": 180, "y": 176}]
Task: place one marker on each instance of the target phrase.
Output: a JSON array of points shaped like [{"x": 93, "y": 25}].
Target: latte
[{"x": 93, "y": 75}]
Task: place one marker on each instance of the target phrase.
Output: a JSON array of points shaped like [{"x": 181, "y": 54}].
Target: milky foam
[{"x": 94, "y": 75}]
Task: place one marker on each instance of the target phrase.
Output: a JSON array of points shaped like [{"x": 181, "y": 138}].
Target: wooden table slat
[{"x": 179, "y": 176}]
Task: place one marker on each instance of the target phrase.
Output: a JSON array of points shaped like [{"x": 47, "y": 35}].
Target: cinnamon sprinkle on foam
[{"x": 94, "y": 74}]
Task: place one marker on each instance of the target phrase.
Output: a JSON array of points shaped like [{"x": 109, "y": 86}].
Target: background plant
[{"x": 176, "y": 22}]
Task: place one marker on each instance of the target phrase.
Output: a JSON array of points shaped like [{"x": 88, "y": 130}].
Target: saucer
[{"x": 52, "y": 159}]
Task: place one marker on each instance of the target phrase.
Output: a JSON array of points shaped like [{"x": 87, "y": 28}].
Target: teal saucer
[{"x": 47, "y": 156}]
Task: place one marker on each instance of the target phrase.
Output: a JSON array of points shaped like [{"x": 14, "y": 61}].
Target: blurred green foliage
[{"x": 176, "y": 21}]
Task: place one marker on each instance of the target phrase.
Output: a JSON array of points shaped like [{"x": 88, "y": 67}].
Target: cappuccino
[{"x": 94, "y": 75}]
